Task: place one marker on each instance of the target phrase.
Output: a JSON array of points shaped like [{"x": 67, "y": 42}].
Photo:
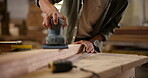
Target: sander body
[{"x": 55, "y": 38}]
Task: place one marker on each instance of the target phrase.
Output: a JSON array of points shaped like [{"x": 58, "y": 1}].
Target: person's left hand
[{"x": 88, "y": 46}]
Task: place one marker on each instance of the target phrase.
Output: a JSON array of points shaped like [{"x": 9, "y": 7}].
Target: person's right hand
[
  {"x": 55, "y": 16},
  {"x": 89, "y": 48}
]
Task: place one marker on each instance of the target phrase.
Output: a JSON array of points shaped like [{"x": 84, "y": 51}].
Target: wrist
[
  {"x": 47, "y": 6},
  {"x": 97, "y": 37},
  {"x": 96, "y": 44}
]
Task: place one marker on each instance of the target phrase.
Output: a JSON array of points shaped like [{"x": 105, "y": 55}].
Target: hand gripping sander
[{"x": 55, "y": 38}]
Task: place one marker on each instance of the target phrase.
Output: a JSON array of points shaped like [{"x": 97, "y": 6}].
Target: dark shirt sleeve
[
  {"x": 52, "y": 1},
  {"x": 107, "y": 31}
]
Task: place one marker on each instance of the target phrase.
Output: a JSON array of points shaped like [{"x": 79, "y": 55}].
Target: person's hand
[
  {"x": 50, "y": 11},
  {"x": 55, "y": 15},
  {"x": 88, "y": 46}
]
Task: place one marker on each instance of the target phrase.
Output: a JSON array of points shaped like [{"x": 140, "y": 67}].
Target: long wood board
[
  {"x": 16, "y": 64},
  {"x": 106, "y": 65}
]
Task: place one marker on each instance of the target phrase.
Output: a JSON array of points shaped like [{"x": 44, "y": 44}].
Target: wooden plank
[
  {"x": 132, "y": 27},
  {"x": 132, "y": 36},
  {"x": 136, "y": 36},
  {"x": 129, "y": 38},
  {"x": 16, "y": 64},
  {"x": 128, "y": 52},
  {"x": 12, "y": 47},
  {"x": 30, "y": 36},
  {"x": 106, "y": 65},
  {"x": 130, "y": 30}
]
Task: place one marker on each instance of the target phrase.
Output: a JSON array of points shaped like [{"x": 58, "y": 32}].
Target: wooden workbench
[
  {"x": 19, "y": 64},
  {"x": 14, "y": 64},
  {"x": 106, "y": 65}
]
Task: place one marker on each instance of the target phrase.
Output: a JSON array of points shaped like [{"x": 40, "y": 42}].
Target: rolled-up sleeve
[
  {"x": 109, "y": 29},
  {"x": 52, "y": 1}
]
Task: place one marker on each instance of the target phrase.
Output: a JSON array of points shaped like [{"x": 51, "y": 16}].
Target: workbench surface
[
  {"x": 14, "y": 64},
  {"x": 106, "y": 65}
]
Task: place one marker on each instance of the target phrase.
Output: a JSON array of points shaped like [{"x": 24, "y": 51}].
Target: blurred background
[{"x": 22, "y": 20}]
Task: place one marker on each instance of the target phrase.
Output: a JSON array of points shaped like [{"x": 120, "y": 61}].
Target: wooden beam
[
  {"x": 136, "y": 36},
  {"x": 129, "y": 38},
  {"x": 16, "y": 64},
  {"x": 106, "y": 65}
]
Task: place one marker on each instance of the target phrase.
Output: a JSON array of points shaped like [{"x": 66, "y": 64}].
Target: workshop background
[{"x": 22, "y": 20}]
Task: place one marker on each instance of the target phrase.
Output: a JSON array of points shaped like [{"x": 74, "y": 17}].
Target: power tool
[{"x": 55, "y": 38}]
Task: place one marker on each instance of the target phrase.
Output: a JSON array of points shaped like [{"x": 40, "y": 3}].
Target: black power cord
[{"x": 94, "y": 74}]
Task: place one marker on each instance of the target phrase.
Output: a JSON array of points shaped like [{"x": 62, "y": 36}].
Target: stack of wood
[
  {"x": 136, "y": 36},
  {"x": 7, "y": 46}
]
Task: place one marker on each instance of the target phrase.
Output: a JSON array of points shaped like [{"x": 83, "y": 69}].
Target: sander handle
[{"x": 59, "y": 25}]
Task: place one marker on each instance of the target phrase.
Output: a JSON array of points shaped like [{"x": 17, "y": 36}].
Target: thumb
[
  {"x": 55, "y": 18},
  {"x": 78, "y": 42}
]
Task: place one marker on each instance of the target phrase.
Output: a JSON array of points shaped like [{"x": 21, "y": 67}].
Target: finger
[
  {"x": 46, "y": 21},
  {"x": 89, "y": 49},
  {"x": 96, "y": 52},
  {"x": 83, "y": 42},
  {"x": 55, "y": 18},
  {"x": 79, "y": 42},
  {"x": 65, "y": 20},
  {"x": 44, "y": 24},
  {"x": 93, "y": 50}
]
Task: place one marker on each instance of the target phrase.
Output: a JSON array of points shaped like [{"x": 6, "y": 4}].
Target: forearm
[
  {"x": 46, "y": 6},
  {"x": 97, "y": 37}
]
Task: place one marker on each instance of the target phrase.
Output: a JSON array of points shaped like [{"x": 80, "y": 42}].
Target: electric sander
[{"x": 55, "y": 38}]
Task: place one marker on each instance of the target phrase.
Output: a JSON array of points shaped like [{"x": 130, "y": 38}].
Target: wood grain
[
  {"x": 136, "y": 36},
  {"x": 16, "y": 64},
  {"x": 129, "y": 38},
  {"x": 106, "y": 65}
]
